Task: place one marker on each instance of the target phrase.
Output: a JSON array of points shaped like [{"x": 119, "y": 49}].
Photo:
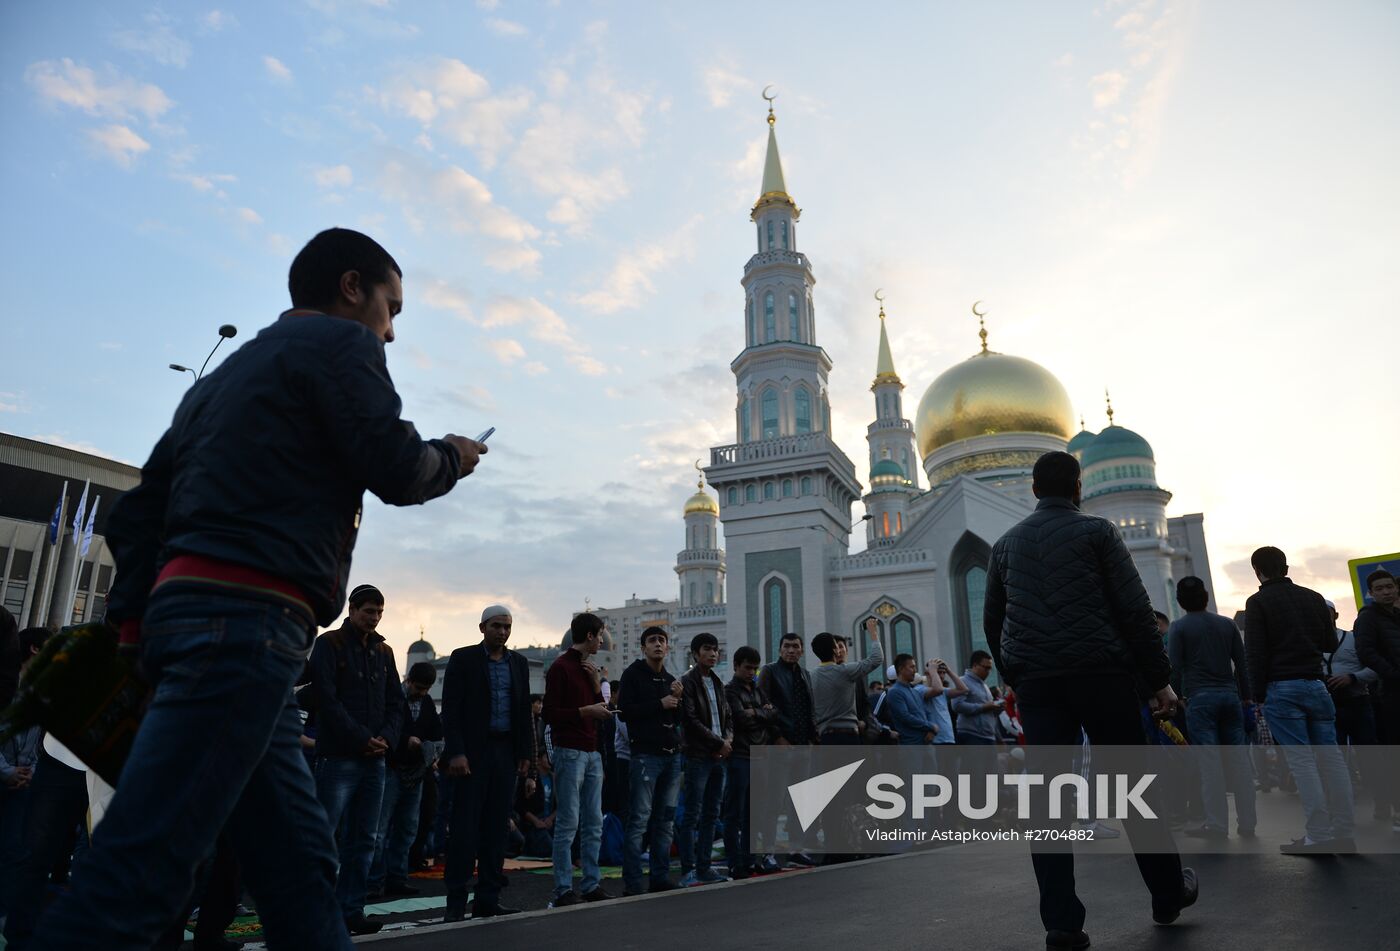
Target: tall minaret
[
  {"x": 890, "y": 436},
  {"x": 785, "y": 488},
  {"x": 701, "y": 563}
]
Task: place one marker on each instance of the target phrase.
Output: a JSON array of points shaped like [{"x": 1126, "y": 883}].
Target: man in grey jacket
[
  {"x": 834, "y": 686},
  {"x": 1071, "y": 628}
]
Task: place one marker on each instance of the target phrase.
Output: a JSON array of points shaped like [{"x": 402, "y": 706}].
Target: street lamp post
[{"x": 225, "y": 332}]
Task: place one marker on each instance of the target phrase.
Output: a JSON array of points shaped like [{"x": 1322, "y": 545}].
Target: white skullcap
[
  {"x": 495, "y": 610},
  {"x": 890, "y": 672}
]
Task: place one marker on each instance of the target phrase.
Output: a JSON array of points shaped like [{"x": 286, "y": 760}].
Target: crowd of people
[{"x": 306, "y": 773}]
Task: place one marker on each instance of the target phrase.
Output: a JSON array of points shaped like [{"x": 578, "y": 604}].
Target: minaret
[
  {"x": 701, "y": 563},
  {"x": 785, "y": 488},
  {"x": 890, "y": 436}
]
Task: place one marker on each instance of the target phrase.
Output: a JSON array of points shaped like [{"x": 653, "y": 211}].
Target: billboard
[{"x": 1359, "y": 568}]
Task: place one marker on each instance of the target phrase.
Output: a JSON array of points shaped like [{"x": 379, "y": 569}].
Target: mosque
[{"x": 783, "y": 490}]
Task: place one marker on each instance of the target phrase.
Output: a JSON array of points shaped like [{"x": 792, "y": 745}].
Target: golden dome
[
  {"x": 992, "y": 393},
  {"x": 701, "y": 502}
]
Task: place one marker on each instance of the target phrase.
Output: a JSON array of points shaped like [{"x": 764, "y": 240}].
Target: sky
[{"x": 1192, "y": 204}]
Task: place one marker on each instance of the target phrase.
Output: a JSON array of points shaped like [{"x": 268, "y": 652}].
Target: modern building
[
  {"x": 51, "y": 575},
  {"x": 784, "y": 488}
]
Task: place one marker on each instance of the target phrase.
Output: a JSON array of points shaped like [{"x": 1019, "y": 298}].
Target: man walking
[
  {"x": 487, "y": 730},
  {"x": 1206, "y": 652},
  {"x": 650, "y": 706},
  {"x": 573, "y": 705},
  {"x": 359, "y": 712},
  {"x": 420, "y": 741},
  {"x": 233, "y": 548},
  {"x": 1378, "y": 647},
  {"x": 1287, "y": 629},
  {"x": 707, "y": 739},
  {"x": 1071, "y": 629}
]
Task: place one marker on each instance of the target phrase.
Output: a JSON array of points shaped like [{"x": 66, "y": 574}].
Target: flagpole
[
  {"x": 41, "y": 619},
  {"x": 67, "y": 618}
]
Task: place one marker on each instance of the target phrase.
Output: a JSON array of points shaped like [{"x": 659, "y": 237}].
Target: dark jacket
[
  {"x": 753, "y": 724},
  {"x": 266, "y": 463},
  {"x": 651, "y": 728},
  {"x": 466, "y": 705},
  {"x": 697, "y": 736},
  {"x": 358, "y": 694},
  {"x": 427, "y": 726},
  {"x": 776, "y": 682},
  {"x": 1064, "y": 597},
  {"x": 1378, "y": 644},
  {"x": 567, "y": 687},
  {"x": 1286, "y": 630}
]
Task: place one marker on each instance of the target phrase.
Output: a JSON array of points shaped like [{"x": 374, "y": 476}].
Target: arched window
[
  {"x": 787, "y": 488},
  {"x": 885, "y": 525},
  {"x": 806, "y": 485},
  {"x": 759, "y": 229},
  {"x": 899, "y": 523},
  {"x": 770, "y": 234},
  {"x": 769, "y": 490},
  {"x": 785, "y": 236},
  {"x": 750, "y": 493},
  {"x": 709, "y": 592},
  {"x": 803, "y": 405},
  {"x": 775, "y": 613},
  {"x": 769, "y": 406},
  {"x": 794, "y": 330},
  {"x": 694, "y": 537},
  {"x": 903, "y": 636},
  {"x": 770, "y": 328},
  {"x": 969, "y": 577},
  {"x": 748, "y": 321},
  {"x": 733, "y": 495},
  {"x": 745, "y": 433}
]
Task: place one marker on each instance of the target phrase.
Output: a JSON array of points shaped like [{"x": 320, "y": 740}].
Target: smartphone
[{"x": 486, "y": 435}]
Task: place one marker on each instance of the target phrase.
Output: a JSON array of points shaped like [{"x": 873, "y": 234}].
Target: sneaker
[
  {"x": 361, "y": 925},
  {"x": 1207, "y": 832},
  {"x": 401, "y": 890},
  {"x": 768, "y": 866},
  {"x": 598, "y": 894},
  {"x": 1190, "y": 891},
  {"x": 689, "y": 880},
  {"x": 1309, "y": 846},
  {"x": 708, "y": 876},
  {"x": 565, "y": 900},
  {"x": 1071, "y": 940},
  {"x": 801, "y": 860}
]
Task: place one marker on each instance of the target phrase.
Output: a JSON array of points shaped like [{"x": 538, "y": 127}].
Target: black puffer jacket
[
  {"x": 1287, "y": 629},
  {"x": 1064, "y": 597},
  {"x": 1378, "y": 642}
]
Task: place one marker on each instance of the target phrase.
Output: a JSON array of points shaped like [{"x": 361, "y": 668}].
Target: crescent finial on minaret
[
  {"x": 981, "y": 323},
  {"x": 1108, "y": 401},
  {"x": 771, "y": 118}
]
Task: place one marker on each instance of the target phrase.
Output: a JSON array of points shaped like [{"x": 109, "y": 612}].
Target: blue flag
[{"x": 57, "y": 515}]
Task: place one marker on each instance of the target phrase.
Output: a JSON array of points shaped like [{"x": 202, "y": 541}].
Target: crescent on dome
[
  {"x": 765, "y": 93},
  {"x": 975, "y": 311}
]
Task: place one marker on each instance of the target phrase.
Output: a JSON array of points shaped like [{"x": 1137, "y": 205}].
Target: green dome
[
  {"x": 1080, "y": 442},
  {"x": 886, "y": 467},
  {"x": 887, "y": 476},
  {"x": 1115, "y": 442}
]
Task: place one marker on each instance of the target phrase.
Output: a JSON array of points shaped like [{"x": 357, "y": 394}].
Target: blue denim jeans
[
  {"x": 578, "y": 794},
  {"x": 351, "y": 791},
  {"x": 695, "y": 832},
  {"x": 219, "y": 748},
  {"x": 14, "y": 817},
  {"x": 1303, "y": 721},
  {"x": 656, "y": 782},
  {"x": 398, "y": 826},
  {"x": 736, "y": 815},
  {"x": 1215, "y": 720}
]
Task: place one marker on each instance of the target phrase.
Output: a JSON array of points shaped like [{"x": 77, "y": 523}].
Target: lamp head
[{"x": 228, "y": 330}]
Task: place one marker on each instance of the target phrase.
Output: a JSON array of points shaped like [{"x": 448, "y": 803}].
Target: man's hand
[
  {"x": 548, "y": 822},
  {"x": 725, "y": 749},
  {"x": 377, "y": 746},
  {"x": 469, "y": 450},
  {"x": 1338, "y": 681},
  {"x": 522, "y": 766},
  {"x": 530, "y": 787},
  {"x": 670, "y": 702},
  {"x": 414, "y": 743},
  {"x": 458, "y": 766},
  {"x": 928, "y": 736},
  {"x": 595, "y": 711},
  {"x": 1163, "y": 703},
  {"x": 677, "y": 688},
  {"x": 593, "y": 672},
  {"x": 872, "y": 630}
]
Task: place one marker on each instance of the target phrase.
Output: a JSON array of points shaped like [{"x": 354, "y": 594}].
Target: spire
[
  {"x": 1108, "y": 400},
  {"x": 774, "y": 185},
  {"x": 884, "y": 362}
]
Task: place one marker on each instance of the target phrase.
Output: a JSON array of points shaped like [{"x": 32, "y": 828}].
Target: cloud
[
  {"x": 540, "y": 320},
  {"x": 587, "y": 365},
  {"x": 158, "y": 41},
  {"x": 250, "y": 216},
  {"x": 58, "y": 439},
  {"x": 440, "y": 295},
  {"x": 721, "y": 83},
  {"x": 215, "y": 21},
  {"x": 517, "y": 258},
  {"x": 507, "y": 351},
  {"x": 1107, "y": 88},
  {"x": 334, "y": 176},
  {"x": 535, "y": 368},
  {"x": 206, "y": 183},
  {"x": 505, "y": 27},
  {"x": 116, "y": 97},
  {"x": 449, "y": 96},
  {"x": 10, "y": 403},
  {"x": 277, "y": 70},
  {"x": 487, "y": 4},
  {"x": 629, "y": 282},
  {"x": 118, "y": 143}
]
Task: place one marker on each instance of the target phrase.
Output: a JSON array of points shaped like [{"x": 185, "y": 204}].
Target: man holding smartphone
[{"x": 235, "y": 546}]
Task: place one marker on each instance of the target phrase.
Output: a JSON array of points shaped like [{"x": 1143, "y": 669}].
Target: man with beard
[{"x": 487, "y": 726}]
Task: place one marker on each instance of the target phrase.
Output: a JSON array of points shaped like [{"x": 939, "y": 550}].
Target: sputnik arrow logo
[{"x": 811, "y": 796}]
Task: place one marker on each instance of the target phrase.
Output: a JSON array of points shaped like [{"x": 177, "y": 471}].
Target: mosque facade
[{"x": 943, "y": 486}]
